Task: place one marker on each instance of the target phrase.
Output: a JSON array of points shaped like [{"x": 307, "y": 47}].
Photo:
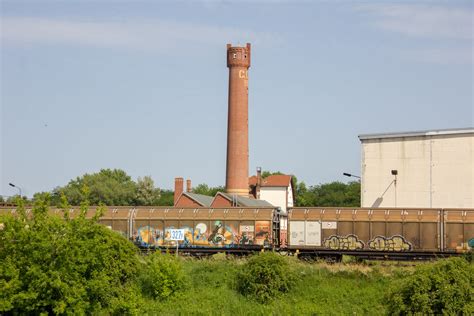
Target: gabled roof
[
  {"x": 244, "y": 201},
  {"x": 203, "y": 200},
  {"x": 276, "y": 180}
]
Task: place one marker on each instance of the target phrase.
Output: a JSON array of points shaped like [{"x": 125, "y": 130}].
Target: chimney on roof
[
  {"x": 188, "y": 186},
  {"x": 259, "y": 183},
  {"x": 178, "y": 189}
]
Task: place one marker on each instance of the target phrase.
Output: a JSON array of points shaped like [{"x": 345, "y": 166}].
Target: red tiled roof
[{"x": 276, "y": 180}]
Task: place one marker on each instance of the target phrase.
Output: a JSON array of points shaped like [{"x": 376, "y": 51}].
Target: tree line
[{"x": 116, "y": 187}]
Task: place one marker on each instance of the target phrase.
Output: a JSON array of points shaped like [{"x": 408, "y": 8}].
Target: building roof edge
[{"x": 452, "y": 131}]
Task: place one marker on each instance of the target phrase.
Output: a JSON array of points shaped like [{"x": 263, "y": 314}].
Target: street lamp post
[
  {"x": 350, "y": 175},
  {"x": 14, "y": 186}
]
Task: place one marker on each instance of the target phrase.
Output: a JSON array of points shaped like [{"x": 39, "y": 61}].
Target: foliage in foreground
[
  {"x": 59, "y": 265},
  {"x": 265, "y": 276},
  {"x": 161, "y": 276},
  {"x": 321, "y": 289},
  {"x": 445, "y": 287}
]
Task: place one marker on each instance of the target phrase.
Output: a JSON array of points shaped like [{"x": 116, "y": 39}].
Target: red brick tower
[{"x": 238, "y": 61}]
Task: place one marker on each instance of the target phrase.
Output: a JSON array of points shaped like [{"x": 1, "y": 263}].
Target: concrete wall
[
  {"x": 433, "y": 171},
  {"x": 290, "y": 196},
  {"x": 277, "y": 196}
]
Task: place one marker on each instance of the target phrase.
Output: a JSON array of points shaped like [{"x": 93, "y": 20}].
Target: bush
[
  {"x": 469, "y": 256},
  {"x": 444, "y": 287},
  {"x": 265, "y": 276},
  {"x": 161, "y": 276},
  {"x": 57, "y": 266}
]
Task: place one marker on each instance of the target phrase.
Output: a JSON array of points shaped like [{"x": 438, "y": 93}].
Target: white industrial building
[{"x": 425, "y": 169}]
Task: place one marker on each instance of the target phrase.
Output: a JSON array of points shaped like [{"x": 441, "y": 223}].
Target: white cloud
[
  {"x": 154, "y": 35},
  {"x": 429, "y": 21},
  {"x": 444, "y": 34}
]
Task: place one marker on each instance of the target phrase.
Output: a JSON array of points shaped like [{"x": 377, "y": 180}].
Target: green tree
[
  {"x": 303, "y": 197},
  {"x": 52, "y": 265},
  {"x": 166, "y": 198},
  {"x": 112, "y": 187},
  {"x": 329, "y": 194},
  {"x": 266, "y": 174},
  {"x": 337, "y": 194},
  {"x": 206, "y": 190},
  {"x": 146, "y": 193},
  {"x": 55, "y": 196}
]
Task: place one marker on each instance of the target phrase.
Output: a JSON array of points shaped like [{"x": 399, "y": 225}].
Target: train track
[{"x": 307, "y": 255}]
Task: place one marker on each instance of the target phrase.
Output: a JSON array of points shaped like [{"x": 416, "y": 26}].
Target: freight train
[{"x": 307, "y": 232}]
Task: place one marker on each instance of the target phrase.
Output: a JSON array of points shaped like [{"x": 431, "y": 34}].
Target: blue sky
[{"x": 142, "y": 85}]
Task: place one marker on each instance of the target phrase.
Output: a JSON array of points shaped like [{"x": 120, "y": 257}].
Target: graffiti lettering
[
  {"x": 394, "y": 243},
  {"x": 349, "y": 242}
]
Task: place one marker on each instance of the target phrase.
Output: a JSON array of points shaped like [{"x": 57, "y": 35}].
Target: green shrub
[
  {"x": 444, "y": 287},
  {"x": 469, "y": 256},
  {"x": 265, "y": 276},
  {"x": 56, "y": 266},
  {"x": 161, "y": 276}
]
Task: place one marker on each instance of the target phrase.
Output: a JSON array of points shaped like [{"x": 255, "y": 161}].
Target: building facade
[
  {"x": 276, "y": 189},
  {"x": 426, "y": 169}
]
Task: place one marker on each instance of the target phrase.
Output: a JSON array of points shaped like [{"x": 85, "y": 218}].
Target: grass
[{"x": 322, "y": 289}]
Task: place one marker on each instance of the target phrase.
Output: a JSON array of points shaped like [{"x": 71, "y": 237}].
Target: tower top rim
[
  {"x": 238, "y": 46},
  {"x": 238, "y": 56}
]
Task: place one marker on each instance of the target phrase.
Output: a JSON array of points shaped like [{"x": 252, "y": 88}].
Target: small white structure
[
  {"x": 426, "y": 169},
  {"x": 277, "y": 190}
]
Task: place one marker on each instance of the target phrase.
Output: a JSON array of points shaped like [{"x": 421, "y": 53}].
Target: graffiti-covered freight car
[
  {"x": 372, "y": 232},
  {"x": 234, "y": 228},
  {"x": 316, "y": 232}
]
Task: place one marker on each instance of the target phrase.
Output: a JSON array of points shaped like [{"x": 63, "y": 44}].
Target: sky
[{"x": 142, "y": 85}]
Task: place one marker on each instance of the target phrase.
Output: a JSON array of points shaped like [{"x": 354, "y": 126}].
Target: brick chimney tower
[{"x": 238, "y": 62}]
